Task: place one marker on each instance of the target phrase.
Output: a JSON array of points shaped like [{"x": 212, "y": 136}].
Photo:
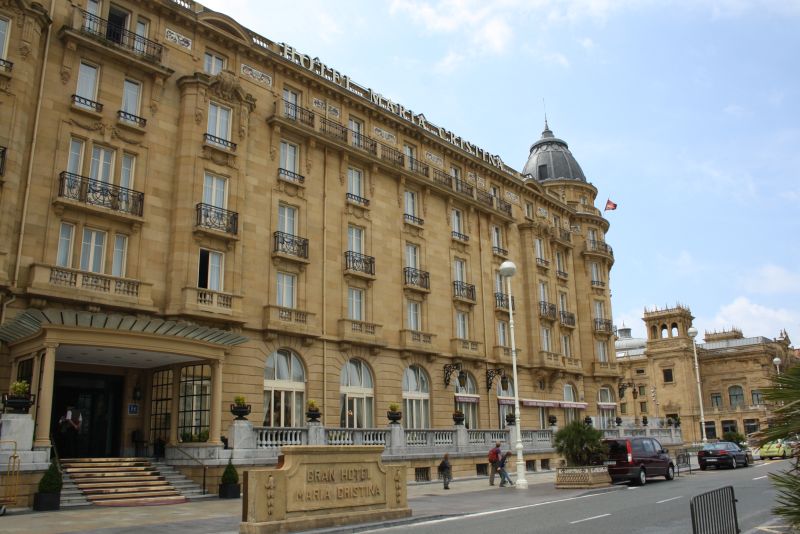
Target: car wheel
[
  {"x": 746, "y": 462},
  {"x": 641, "y": 480},
  {"x": 702, "y": 467},
  {"x": 670, "y": 472},
  {"x": 783, "y": 455},
  {"x": 733, "y": 462}
]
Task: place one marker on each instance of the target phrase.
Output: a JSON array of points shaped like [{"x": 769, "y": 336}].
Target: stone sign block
[{"x": 323, "y": 486}]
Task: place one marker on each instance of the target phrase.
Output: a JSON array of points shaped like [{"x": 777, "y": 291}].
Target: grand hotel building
[{"x": 190, "y": 212}]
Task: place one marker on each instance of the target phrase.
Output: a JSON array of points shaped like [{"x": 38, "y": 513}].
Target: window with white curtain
[
  {"x": 355, "y": 181},
  {"x": 502, "y": 333},
  {"x": 462, "y": 325},
  {"x": 602, "y": 351},
  {"x": 357, "y": 396},
  {"x": 467, "y": 400},
  {"x": 131, "y": 96},
  {"x": 414, "y": 315},
  {"x": 355, "y": 304},
  {"x": 210, "y": 270},
  {"x": 289, "y": 156},
  {"x": 65, "y": 238},
  {"x": 219, "y": 121},
  {"x": 87, "y": 84},
  {"x": 285, "y": 296},
  {"x": 547, "y": 340},
  {"x": 570, "y": 395},
  {"x": 284, "y": 390},
  {"x": 416, "y": 398},
  {"x": 93, "y": 248},
  {"x": 120, "y": 258}
]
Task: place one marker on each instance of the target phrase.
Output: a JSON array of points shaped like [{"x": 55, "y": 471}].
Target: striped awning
[
  {"x": 31, "y": 321},
  {"x": 570, "y": 404},
  {"x": 540, "y": 403}
]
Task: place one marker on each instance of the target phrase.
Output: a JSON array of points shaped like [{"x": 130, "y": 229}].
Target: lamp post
[
  {"x": 693, "y": 334},
  {"x": 776, "y": 361},
  {"x": 507, "y": 270}
]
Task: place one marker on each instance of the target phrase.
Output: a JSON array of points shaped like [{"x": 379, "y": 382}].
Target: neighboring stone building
[
  {"x": 191, "y": 212},
  {"x": 660, "y": 383}
]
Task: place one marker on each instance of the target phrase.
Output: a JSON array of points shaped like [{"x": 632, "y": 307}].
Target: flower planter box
[
  {"x": 18, "y": 403},
  {"x": 582, "y": 477},
  {"x": 230, "y": 491},
  {"x": 45, "y": 502}
]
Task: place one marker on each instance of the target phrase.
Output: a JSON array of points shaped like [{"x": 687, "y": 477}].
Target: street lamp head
[
  {"x": 507, "y": 269},
  {"x": 776, "y": 361},
  {"x": 692, "y": 332}
]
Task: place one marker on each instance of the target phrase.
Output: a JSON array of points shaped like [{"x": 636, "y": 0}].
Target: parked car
[
  {"x": 723, "y": 453},
  {"x": 636, "y": 459},
  {"x": 776, "y": 449}
]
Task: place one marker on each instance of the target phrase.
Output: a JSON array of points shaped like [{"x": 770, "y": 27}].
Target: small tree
[
  {"x": 734, "y": 437},
  {"x": 230, "y": 476},
  {"x": 51, "y": 482},
  {"x": 580, "y": 444}
]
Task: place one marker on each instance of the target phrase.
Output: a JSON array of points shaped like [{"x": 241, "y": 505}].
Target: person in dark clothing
[
  {"x": 446, "y": 471},
  {"x": 501, "y": 468},
  {"x": 69, "y": 426},
  {"x": 494, "y": 460}
]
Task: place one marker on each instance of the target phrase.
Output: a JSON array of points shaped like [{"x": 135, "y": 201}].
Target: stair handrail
[{"x": 198, "y": 462}]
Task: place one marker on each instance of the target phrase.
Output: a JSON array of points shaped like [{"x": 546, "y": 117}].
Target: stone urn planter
[
  {"x": 241, "y": 411},
  {"x": 458, "y": 418},
  {"x": 582, "y": 477},
  {"x": 313, "y": 415},
  {"x": 394, "y": 416},
  {"x": 511, "y": 419}
]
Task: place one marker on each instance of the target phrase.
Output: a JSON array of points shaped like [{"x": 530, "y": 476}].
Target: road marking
[
  {"x": 763, "y": 465},
  {"x": 588, "y": 519},
  {"x": 493, "y": 512},
  {"x": 667, "y": 500},
  {"x": 759, "y": 478}
]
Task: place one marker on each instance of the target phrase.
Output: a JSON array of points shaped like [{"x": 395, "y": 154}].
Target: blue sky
[{"x": 685, "y": 113}]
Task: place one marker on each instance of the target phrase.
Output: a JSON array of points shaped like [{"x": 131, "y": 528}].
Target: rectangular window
[
  {"x": 289, "y": 152},
  {"x": 75, "y": 162},
  {"x": 120, "y": 255},
  {"x": 286, "y": 291},
  {"x": 502, "y": 333},
  {"x": 711, "y": 430},
  {"x": 219, "y": 121},
  {"x": 131, "y": 93},
  {"x": 716, "y": 400},
  {"x": 87, "y": 83},
  {"x": 457, "y": 220},
  {"x": 602, "y": 351},
  {"x": 459, "y": 270},
  {"x": 599, "y": 310},
  {"x": 102, "y": 166},
  {"x": 591, "y": 234},
  {"x": 560, "y": 265},
  {"x": 497, "y": 237},
  {"x": 355, "y": 182},
  {"x": 455, "y": 172},
  {"x": 544, "y": 293},
  {"x": 3, "y": 37},
  {"x": 529, "y": 210},
  {"x": 210, "y": 270},
  {"x": 93, "y": 250},
  {"x": 542, "y": 172},
  {"x": 213, "y": 63},
  {"x": 750, "y": 426},
  {"x": 355, "y": 239},
  {"x": 643, "y": 407},
  {"x": 757, "y": 398},
  {"x": 287, "y": 219},
  {"x": 668, "y": 378},
  {"x": 538, "y": 246},
  {"x": 595, "y": 268},
  {"x": 64, "y": 254},
  {"x": 414, "y": 315},
  {"x": 214, "y": 191},
  {"x": 462, "y": 325},
  {"x": 127, "y": 174},
  {"x": 566, "y": 345},
  {"x": 411, "y": 203},
  {"x": 623, "y": 408},
  {"x": 412, "y": 255},
  {"x": 642, "y": 390},
  {"x": 547, "y": 343},
  {"x": 355, "y": 304},
  {"x": 729, "y": 426},
  {"x": 357, "y": 127},
  {"x": 117, "y": 23},
  {"x": 409, "y": 151},
  {"x": 141, "y": 31},
  {"x": 562, "y": 302},
  {"x": 498, "y": 282},
  {"x": 291, "y": 96}
]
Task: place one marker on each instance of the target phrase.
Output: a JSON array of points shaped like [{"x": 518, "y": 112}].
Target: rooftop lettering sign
[{"x": 322, "y": 70}]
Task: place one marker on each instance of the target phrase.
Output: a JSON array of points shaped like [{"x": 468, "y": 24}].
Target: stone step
[
  {"x": 132, "y": 495},
  {"x": 130, "y": 490},
  {"x": 118, "y": 479},
  {"x": 143, "y": 501},
  {"x": 129, "y": 468},
  {"x": 102, "y": 460},
  {"x": 126, "y": 483}
]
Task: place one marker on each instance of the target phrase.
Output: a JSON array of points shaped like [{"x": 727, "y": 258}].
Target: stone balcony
[
  {"x": 610, "y": 369},
  {"x": 291, "y": 321},
  {"x": 207, "y": 303},
  {"x": 550, "y": 360},
  {"x": 416, "y": 341},
  {"x": 87, "y": 287},
  {"x": 466, "y": 348},
  {"x": 361, "y": 333}
]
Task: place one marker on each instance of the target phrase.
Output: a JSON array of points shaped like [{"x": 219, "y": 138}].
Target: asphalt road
[{"x": 658, "y": 507}]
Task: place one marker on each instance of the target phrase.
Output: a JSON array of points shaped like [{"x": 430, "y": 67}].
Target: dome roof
[
  {"x": 550, "y": 159},
  {"x": 627, "y": 342}
]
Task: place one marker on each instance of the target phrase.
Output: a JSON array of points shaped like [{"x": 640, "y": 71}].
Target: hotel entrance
[{"x": 98, "y": 398}]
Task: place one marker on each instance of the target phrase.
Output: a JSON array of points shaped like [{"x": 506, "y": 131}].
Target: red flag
[{"x": 610, "y": 205}]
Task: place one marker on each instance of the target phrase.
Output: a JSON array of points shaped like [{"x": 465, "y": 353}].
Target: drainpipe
[
  {"x": 324, "y": 316},
  {"x": 31, "y": 158}
]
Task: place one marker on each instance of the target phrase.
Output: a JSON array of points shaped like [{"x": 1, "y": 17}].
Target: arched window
[
  {"x": 664, "y": 331},
  {"x": 570, "y": 414},
  {"x": 284, "y": 389},
  {"x": 467, "y": 401},
  {"x": 356, "y": 395},
  {"x": 505, "y": 400},
  {"x": 416, "y": 398},
  {"x": 736, "y": 396},
  {"x": 674, "y": 330},
  {"x": 653, "y": 332},
  {"x": 605, "y": 412}
]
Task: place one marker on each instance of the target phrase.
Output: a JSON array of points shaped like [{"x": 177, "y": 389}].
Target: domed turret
[{"x": 550, "y": 159}]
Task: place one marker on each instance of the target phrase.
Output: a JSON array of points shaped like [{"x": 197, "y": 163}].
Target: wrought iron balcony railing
[
  {"x": 562, "y": 274},
  {"x": 333, "y": 129},
  {"x": 417, "y": 278},
  {"x": 364, "y": 143},
  {"x": 5, "y": 65},
  {"x": 603, "y": 325},
  {"x": 500, "y": 251},
  {"x": 463, "y": 187},
  {"x": 296, "y": 113},
  {"x": 485, "y": 198},
  {"x": 85, "y": 103},
  {"x": 291, "y": 176},
  {"x": 541, "y": 262},
  {"x": 503, "y": 206},
  {"x": 357, "y": 199},
  {"x": 102, "y": 194},
  {"x": 567, "y": 318},
  {"x": 359, "y": 262},
  {"x": 442, "y": 178},
  {"x": 598, "y": 283},
  {"x": 215, "y": 218},
  {"x": 464, "y": 290},
  {"x": 501, "y": 301},
  {"x": 393, "y": 156},
  {"x": 459, "y": 236},
  {"x": 290, "y": 244},
  {"x": 219, "y": 141},
  {"x": 413, "y": 219},
  {"x": 111, "y": 33},
  {"x": 417, "y": 166},
  {"x": 599, "y": 246},
  {"x": 131, "y": 118},
  {"x": 564, "y": 235},
  {"x": 547, "y": 310}
]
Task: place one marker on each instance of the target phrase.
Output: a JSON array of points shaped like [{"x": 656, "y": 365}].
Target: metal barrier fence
[
  {"x": 714, "y": 512},
  {"x": 683, "y": 460}
]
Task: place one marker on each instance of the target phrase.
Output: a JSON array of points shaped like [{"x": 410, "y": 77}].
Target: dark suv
[{"x": 635, "y": 459}]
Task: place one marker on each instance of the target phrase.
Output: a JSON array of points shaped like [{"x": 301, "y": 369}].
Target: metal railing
[
  {"x": 485, "y": 198},
  {"x": 130, "y": 117},
  {"x": 500, "y": 251},
  {"x": 290, "y": 244},
  {"x": 562, "y": 274},
  {"x": 5, "y": 65},
  {"x": 215, "y": 218},
  {"x": 714, "y": 512},
  {"x": 464, "y": 290},
  {"x": 460, "y": 236},
  {"x": 212, "y": 139},
  {"x": 393, "y": 156},
  {"x": 547, "y": 310},
  {"x": 542, "y": 262},
  {"x": 501, "y": 301},
  {"x": 503, "y": 206},
  {"x": 333, "y": 129},
  {"x": 291, "y": 176},
  {"x": 599, "y": 246},
  {"x": 198, "y": 462},
  {"x": 97, "y": 193},
  {"x": 603, "y": 325},
  {"x": 297, "y": 113},
  {"x": 109, "y": 32},
  {"x": 359, "y": 262},
  {"x": 567, "y": 318},
  {"x": 417, "y": 278},
  {"x": 357, "y": 199},
  {"x": 83, "y": 102},
  {"x": 364, "y": 143},
  {"x": 598, "y": 283},
  {"x": 442, "y": 178},
  {"x": 417, "y": 166},
  {"x": 463, "y": 187},
  {"x": 413, "y": 219}
]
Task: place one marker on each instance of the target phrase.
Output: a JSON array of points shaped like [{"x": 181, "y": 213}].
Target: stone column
[
  {"x": 176, "y": 394},
  {"x": 216, "y": 404},
  {"x": 45, "y": 398}
]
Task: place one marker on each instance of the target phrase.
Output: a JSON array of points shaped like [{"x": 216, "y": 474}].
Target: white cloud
[
  {"x": 586, "y": 43},
  {"x": 711, "y": 176},
  {"x": 737, "y": 111},
  {"x": 773, "y": 279},
  {"x": 754, "y": 319},
  {"x": 450, "y": 62}
]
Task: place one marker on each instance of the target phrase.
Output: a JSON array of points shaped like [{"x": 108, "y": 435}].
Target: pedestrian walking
[
  {"x": 69, "y": 427},
  {"x": 501, "y": 468},
  {"x": 494, "y": 460},
  {"x": 446, "y": 471}
]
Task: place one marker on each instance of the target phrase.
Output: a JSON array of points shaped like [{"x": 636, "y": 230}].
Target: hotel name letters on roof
[{"x": 315, "y": 66}]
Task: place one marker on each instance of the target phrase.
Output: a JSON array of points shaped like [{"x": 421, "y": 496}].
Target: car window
[
  {"x": 617, "y": 447},
  {"x": 648, "y": 446},
  {"x": 657, "y": 445},
  {"x": 637, "y": 445}
]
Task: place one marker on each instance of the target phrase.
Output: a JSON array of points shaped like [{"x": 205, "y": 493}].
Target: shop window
[
  {"x": 194, "y": 406},
  {"x": 160, "y": 410}
]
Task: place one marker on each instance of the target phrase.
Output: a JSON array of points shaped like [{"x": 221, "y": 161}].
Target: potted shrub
[
  {"x": 582, "y": 447},
  {"x": 552, "y": 420},
  {"x": 229, "y": 487},
  {"x": 312, "y": 411},
  {"x": 644, "y": 420},
  {"x": 618, "y": 420},
  {"x": 394, "y": 414},
  {"x": 19, "y": 398},
  {"x": 511, "y": 418},
  {"x": 48, "y": 496},
  {"x": 458, "y": 417},
  {"x": 240, "y": 408}
]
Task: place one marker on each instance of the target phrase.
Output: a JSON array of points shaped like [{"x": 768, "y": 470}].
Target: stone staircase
[{"x": 121, "y": 482}]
